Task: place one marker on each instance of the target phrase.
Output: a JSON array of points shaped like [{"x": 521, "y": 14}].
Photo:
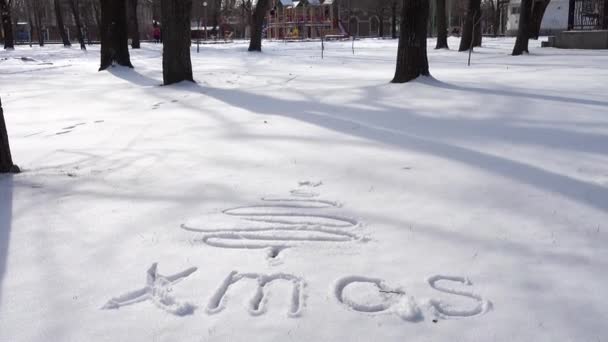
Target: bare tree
[
  {"x": 96, "y": 13},
  {"x": 75, "y": 6},
  {"x": 442, "y": 29},
  {"x": 471, "y": 26},
  {"x": 6, "y": 161},
  {"x": 60, "y": 25},
  {"x": 7, "y": 24},
  {"x": 114, "y": 37},
  {"x": 538, "y": 12},
  {"x": 257, "y": 23},
  {"x": 523, "y": 32},
  {"x": 412, "y": 60},
  {"x": 36, "y": 7},
  {"x": 177, "y": 65},
  {"x": 133, "y": 23},
  {"x": 394, "y": 20}
]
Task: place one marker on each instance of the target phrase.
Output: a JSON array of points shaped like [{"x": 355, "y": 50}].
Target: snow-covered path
[{"x": 288, "y": 197}]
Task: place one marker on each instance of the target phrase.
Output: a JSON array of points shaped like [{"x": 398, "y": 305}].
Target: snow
[{"x": 288, "y": 197}]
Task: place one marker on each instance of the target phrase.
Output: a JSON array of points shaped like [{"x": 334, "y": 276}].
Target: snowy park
[
  {"x": 314, "y": 170},
  {"x": 284, "y": 196}
]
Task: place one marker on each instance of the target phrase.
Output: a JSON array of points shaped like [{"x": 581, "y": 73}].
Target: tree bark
[
  {"x": 60, "y": 25},
  {"x": 133, "y": 23},
  {"x": 442, "y": 29},
  {"x": 6, "y": 161},
  {"x": 538, "y": 12},
  {"x": 411, "y": 54},
  {"x": 114, "y": 37},
  {"x": 472, "y": 18},
  {"x": 523, "y": 32},
  {"x": 75, "y": 6},
  {"x": 7, "y": 24},
  {"x": 177, "y": 65},
  {"x": 257, "y": 25}
]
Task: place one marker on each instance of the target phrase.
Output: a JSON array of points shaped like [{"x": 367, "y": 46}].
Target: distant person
[{"x": 156, "y": 32}]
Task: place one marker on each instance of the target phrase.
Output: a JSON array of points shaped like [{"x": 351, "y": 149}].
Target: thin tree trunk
[
  {"x": 177, "y": 65},
  {"x": 257, "y": 23},
  {"x": 478, "y": 32},
  {"x": 6, "y": 161},
  {"x": 60, "y": 25},
  {"x": 38, "y": 18},
  {"x": 472, "y": 17},
  {"x": 411, "y": 54},
  {"x": 7, "y": 24},
  {"x": 394, "y": 23},
  {"x": 381, "y": 23},
  {"x": 133, "y": 23},
  {"x": 495, "y": 17},
  {"x": 523, "y": 33},
  {"x": 97, "y": 16},
  {"x": 75, "y": 6},
  {"x": 114, "y": 37},
  {"x": 32, "y": 27},
  {"x": 537, "y": 17},
  {"x": 442, "y": 30}
]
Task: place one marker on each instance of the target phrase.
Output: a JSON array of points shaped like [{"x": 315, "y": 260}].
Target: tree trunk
[
  {"x": 6, "y": 161},
  {"x": 537, "y": 17},
  {"x": 38, "y": 18},
  {"x": 411, "y": 53},
  {"x": 381, "y": 23},
  {"x": 257, "y": 24},
  {"x": 472, "y": 18},
  {"x": 114, "y": 37},
  {"x": 478, "y": 32},
  {"x": 60, "y": 25},
  {"x": 442, "y": 29},
  {"x": 32, "y": 27},
  {"x": 495, "y": 17},
  {"x": 523, "y": 33},
  {"x": 133, "y": 23},
  {"x": 175, "y": 17},
  {"x": 394, "y": 23},
  {"x": 75, "y": 6},
  {"x": 97, "y": 16},
  {"x": 7, "y": 24}
]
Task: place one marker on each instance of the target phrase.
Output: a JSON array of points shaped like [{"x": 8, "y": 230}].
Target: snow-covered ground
[{"x": 285, "y": 197}]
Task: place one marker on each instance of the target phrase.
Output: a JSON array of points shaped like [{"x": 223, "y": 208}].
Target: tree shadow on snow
[
  {"x": 132, "y": 76},
  {"x": 512, "y": 93},
  {"x": 6, "y": 211},
  {"x": 394, "y": 130}
]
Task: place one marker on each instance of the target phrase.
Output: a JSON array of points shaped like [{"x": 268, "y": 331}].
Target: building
[
  {"x": 587, "y": 26},
  {"x": 555, "y": 19}
]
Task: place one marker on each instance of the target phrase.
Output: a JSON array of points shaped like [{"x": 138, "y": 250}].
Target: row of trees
[
  {"x": 412, "y": 60},
  {"x": 36, "y": 12}
]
